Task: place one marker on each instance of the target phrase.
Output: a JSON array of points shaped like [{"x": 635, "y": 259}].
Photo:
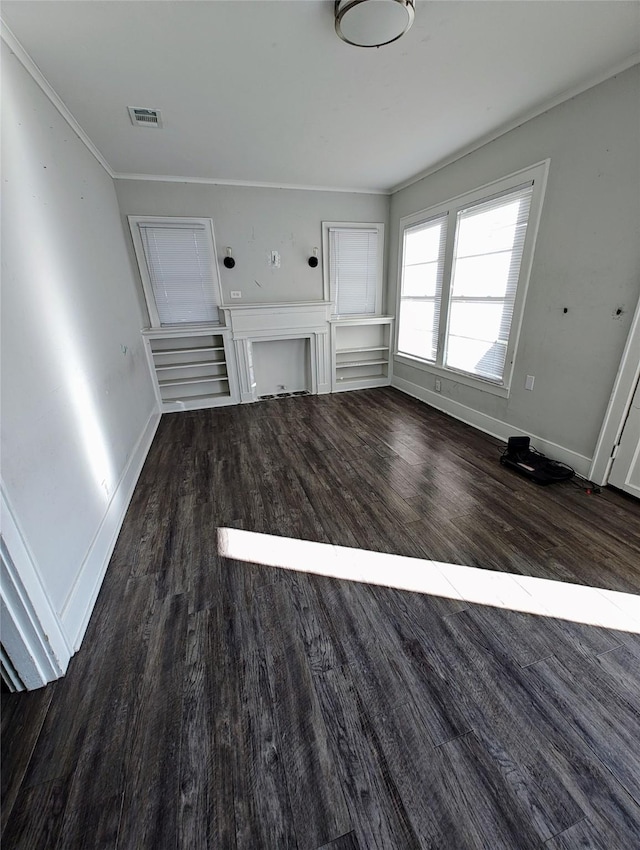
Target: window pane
[
  {"x": 480, "y": 321},
  {"x": 483, "y": 231},
  {"x": 478, "y": 357},
  {"x": 488, "y": 252},
  {"x": 421, "y": 280},
  {"x": 418, "y": 328},
  {"x": 486, "y": 276},
  {"x": 422, "y": 270},
  {"x": 422, "y": 243}
]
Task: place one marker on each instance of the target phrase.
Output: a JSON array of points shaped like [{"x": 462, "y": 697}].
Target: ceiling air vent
[{"x": 145, "y": 117}]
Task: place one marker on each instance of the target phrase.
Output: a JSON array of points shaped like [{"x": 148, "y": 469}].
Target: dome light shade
[{"x": 372, "y": 23}]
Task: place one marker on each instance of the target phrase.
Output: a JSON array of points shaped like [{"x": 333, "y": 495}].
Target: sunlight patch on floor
[{"x": 544, "y": 597}]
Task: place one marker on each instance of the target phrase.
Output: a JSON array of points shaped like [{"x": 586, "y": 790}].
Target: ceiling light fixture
[{"x": 372, "y": 23}]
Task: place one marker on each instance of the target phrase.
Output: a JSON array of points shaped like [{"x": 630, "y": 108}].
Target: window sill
[{"x": 451, "y": 375}]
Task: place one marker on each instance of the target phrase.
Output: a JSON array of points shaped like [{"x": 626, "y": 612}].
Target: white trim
[
  {"x": 538, "y": 174},
  {"x": 251, "y": 184},
  {"x": 490, "y": 425},
  {"x": 547, "y": 105},
  {"x": 30, "y": 66},
  {"x": 82, "y": 597},
  {"x": 31, "y": 630},
  {"x": 619, "y": 403}
]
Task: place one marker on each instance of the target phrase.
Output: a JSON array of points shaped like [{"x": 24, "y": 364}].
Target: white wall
[
  {"x": 587, "y": 259},
  {"x": 76, "y": 390},
  {"x": 254, "y": 222}
]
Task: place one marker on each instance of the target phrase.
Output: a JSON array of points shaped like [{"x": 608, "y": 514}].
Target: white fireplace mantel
[{"x": 251, "y": 323}]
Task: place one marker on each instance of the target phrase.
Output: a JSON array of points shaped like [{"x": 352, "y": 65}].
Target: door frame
[
  {"x": 31, "y": 632},
  {"x": 619, "y": 404}
]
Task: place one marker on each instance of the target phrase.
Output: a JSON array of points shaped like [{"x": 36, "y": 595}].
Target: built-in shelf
[
  {"x": 184, "y": 382},
  {"x": 206, "y": 379},
  {"x": 159, "y": 351},
  {"x": 191, "y": 365},
  {"x": 344, "y": 364},
  {"x": 366, "y": 348},
  {"x": 361, "y": 349}
]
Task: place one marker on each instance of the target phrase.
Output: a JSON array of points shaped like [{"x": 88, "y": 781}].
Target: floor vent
[{"x": 283, "y": 395}]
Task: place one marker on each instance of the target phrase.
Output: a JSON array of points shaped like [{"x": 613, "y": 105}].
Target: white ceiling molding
[
  {"x": 632, "y": 60},
  {"x": 30, "y": 66},
  {"x": 214, "y": 181}
]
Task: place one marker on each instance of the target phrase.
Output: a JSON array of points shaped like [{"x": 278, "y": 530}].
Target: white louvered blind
[
  {"x": 490, "y": 241},
  {"x": 422, "y": 271},
  {"x": 353, "y": 268},
  {"x": 180, "y": 263}
]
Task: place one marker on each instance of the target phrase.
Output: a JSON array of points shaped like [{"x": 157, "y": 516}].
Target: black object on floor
[{"x": 533, "y": 464}]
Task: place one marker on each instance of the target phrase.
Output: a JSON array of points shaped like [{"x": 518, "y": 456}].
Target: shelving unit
[
  {"x": 191, "y": 367},
  {"x": 361, "y": 352}
]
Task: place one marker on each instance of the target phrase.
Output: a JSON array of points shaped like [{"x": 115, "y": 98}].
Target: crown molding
[
  {"x": 30, "y": 66},
  {"x": 547, "y": 105},
  {"x": 215, "y": 181}
]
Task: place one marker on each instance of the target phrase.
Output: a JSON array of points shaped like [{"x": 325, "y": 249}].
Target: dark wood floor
[{"x": 220, "y": 704}]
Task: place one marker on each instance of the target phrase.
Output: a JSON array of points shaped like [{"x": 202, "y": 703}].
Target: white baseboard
[
  {"x": 82, "y": 598},
  {"x": 490, "y": 425}
]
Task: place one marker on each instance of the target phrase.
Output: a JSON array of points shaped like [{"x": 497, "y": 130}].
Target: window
[
  {"x": 353, "y": 267},
  {"x": 463, "y": 274},
  {"x": 178, "y": 269}
]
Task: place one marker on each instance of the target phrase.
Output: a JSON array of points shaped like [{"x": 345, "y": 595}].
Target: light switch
[
  {"x": 528, "y": 384},
  {"x": 235, "y": 293}
]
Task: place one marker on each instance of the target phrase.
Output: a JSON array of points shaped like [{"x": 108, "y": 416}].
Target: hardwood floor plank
[
  {"x": 619, "y": 667},
  {"x": 206, "y": 808},
  {"x": 95, "y": 795},
  {"x": 36, "y": 817},
  {"x": 23, "y": 715},
  {"x": 566, "y": 777},
  {"x": 416, "y": 772},
  {"x": 152, "y": 751},
  {"x": 481, "y": 799},
  {"x": 592, "y": 833},
  {"x": 317, "y": 802},
  {"x": 344, "y": 842},
  {"x": 613, "y": 738},
  {"x": 492, "y": 712},
  {"x": 372, "y": 796}
]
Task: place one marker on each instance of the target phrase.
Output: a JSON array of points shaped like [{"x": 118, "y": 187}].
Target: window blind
[
  {"x": 488, "y": 252},
  {"x": 353, "y": 265},
  {"x": 422, "y": 271},
  {"x": 180, "y": 263}
]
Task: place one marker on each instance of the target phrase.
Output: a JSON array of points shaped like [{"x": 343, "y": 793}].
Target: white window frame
[
  {"x": 538, "y": 174},
  {"x": 207, "y": 223},
  {"x": 329, "y": 289}
]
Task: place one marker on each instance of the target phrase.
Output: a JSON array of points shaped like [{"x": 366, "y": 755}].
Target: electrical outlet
[
  {"x": 235, "y": 293},
  {"x": 438, "y": 385},
  {"x": 529, "y": 382}
]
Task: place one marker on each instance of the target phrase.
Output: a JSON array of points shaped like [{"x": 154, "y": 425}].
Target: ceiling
[{"x": 265, "y": 92}]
